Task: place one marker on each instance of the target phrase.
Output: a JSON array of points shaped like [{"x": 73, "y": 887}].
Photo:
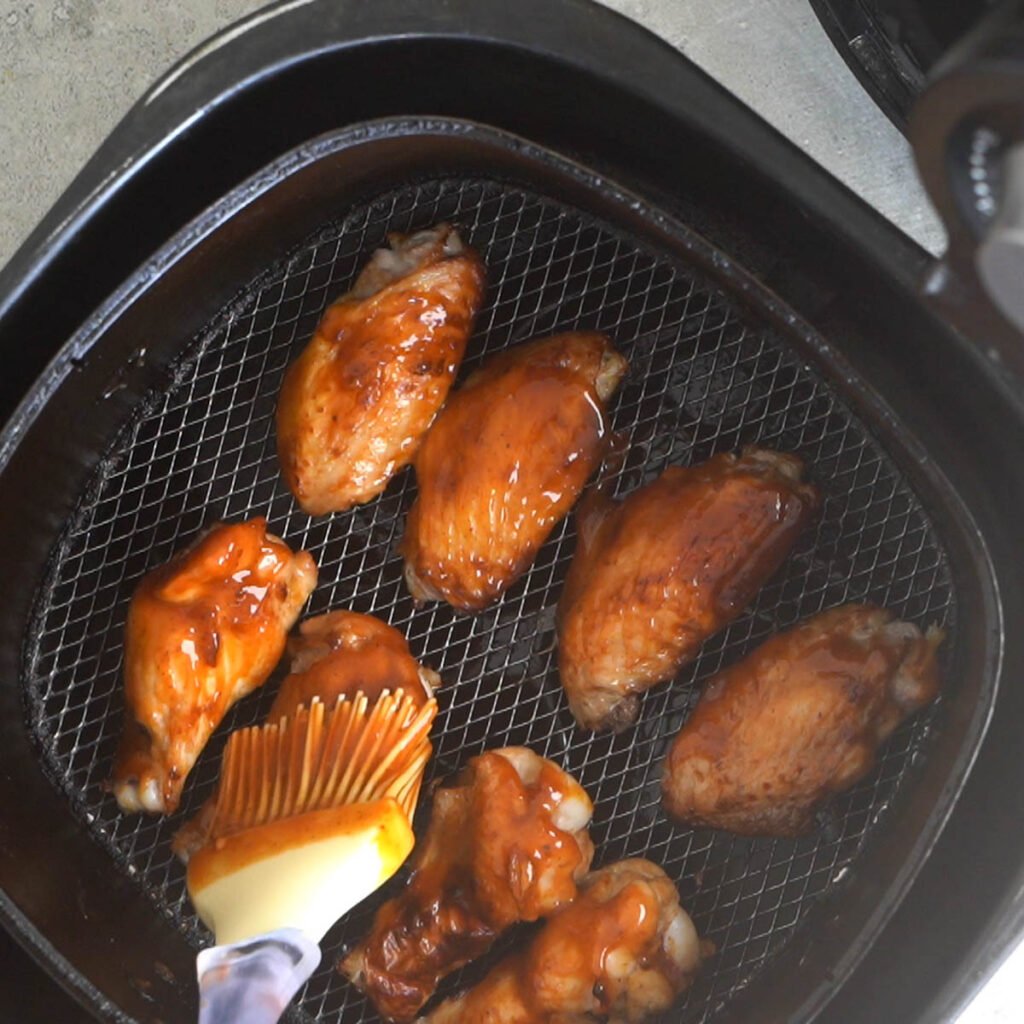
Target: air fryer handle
[{"x": 967, "y": 130}]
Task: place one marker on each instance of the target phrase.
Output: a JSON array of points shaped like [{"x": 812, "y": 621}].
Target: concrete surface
[{"x": 69, "y": 69}]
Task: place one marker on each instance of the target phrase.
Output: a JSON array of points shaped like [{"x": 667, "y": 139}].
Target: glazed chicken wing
[
  {"x": 658, "y": 573},
  {"x": 203, "y": 631},
  {"x": 798, "y": 720},
  {"x": 504, "y": 463},
  {"x": 506, "y": 843},
  {"x": 355, "y": 404},
  {"x": 334, "y": 655},
  {"x": 342, "y": 653},
  {"x": 623, "y": 951}
]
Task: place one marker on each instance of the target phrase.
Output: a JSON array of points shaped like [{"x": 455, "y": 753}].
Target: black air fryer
[{"x": 145, "y": 327}]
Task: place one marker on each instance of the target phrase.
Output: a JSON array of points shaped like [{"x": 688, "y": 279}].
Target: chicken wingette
[
  {"x": 655, "y": 575},
  {"x": 799, "y": 719},
  {"x": 344, "y": 652},
  {"x": 504, "y": 463},
  {"x": 356, "y": 403}
]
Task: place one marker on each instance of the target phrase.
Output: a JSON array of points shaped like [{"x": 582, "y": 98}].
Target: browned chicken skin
[
  {"x": 623, "y": 951},
  {"x": 503, "y": 465},
  {"x": 507, "y": 842},
  {"x": 797, "y": 720},
  {"x": 658, "y": 573},
  {"x": 355, "y": 405},
  {"x": 203, "y": 631},
  {"x": 335, "y": 655}
]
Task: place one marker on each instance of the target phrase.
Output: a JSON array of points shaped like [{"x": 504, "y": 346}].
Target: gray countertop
[{"x": 69, "y": 69}]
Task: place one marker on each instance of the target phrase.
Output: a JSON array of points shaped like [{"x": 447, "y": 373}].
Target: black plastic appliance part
[
  {"x": 892, "y": 45},
  {"x": 589, "y": 85}
]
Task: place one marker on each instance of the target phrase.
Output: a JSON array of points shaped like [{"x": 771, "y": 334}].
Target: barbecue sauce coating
[
  {"x": 506, "y": 843},
  {"x": 504, "y": 463},
  {"x": 342, "y": 653},
  {"x": 799, "y": 719},
  {"x": 333, "y": 656},
  {"x": 357, "y": 401},
  {"x": 658, "y": 573},
  {"x": 622, "y": 951},
  {"x": 203, "y": 631}
]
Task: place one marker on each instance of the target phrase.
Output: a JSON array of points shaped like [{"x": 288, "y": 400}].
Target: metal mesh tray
[{"x": 708, "y": 373}]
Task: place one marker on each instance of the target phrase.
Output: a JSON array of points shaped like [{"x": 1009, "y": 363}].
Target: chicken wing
[
  {"x": 203, "y": 631},
  {"x": 623, "y": 951},
  {"x": 657, "y": 574},
  {"x": 504, "y": 463},
  {"x": 343, "y": 652},
  {"x": 798, "y": 720},
  {"x": 334, "y": 655},
  {"x": 506, "y": 843},
  {"x": 355, "y": 404}
]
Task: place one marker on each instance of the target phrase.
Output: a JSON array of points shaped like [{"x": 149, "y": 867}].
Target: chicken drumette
[
  {"x": 504, "y": 463},
  {"x": 355, "y": 405},
  {"x": 801, "y": 718},
  {"x": 507, "y": 842},
  {"x": 203, "y": 631},
  {"x": 623, "y": 951},
  {"x": 658, "y": 573}
]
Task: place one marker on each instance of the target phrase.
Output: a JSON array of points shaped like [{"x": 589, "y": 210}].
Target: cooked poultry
[
  {"x": 356, "y": 403},
  {"x": 343, "y": 652},
  {"x": 801, "y": 718},
  {"x": 657, "y": 574},
  {"x": 504, "y": 463},
  {"x": 203, "y": 631},
  {"x": 334, "y": 655},
  {"x": 623, "y": 951},
  {"x": 506, "y": 843}
]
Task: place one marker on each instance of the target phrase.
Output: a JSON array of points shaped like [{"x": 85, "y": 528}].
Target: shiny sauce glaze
[
  {"x": 622, "y": 951},
  {"x": 342, "y": 653},
  {"x": 504, "y": 463},
  {"x": 658, "y": 573},
  {"x": 355, "y": 404},
  {"x": 492, "y": 856},
  {"x": 202, "y": 631}
]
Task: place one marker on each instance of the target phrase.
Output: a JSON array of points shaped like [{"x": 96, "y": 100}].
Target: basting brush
[{"x": 312, "y": 815}]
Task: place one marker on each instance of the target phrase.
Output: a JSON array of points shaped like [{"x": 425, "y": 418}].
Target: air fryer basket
[
  {"x": 716, "y": 363},
  {"x": 155, "y": 417}
]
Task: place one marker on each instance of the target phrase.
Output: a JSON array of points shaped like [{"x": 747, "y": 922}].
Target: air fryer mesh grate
[{"x": 705, "y": 376}]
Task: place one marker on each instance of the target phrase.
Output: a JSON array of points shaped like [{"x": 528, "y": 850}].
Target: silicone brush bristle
[{"x": 324, "y": 758}]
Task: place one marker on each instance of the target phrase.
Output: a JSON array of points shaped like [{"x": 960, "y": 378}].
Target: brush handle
[{"x": 252, "y": 982}]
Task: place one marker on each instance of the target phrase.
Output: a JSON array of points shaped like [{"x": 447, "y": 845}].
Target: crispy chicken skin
[
  {"x": 356, "y": 403},
  {"x": 507, "y": 842},
  {"x": 333, "y": 656},
  {"x": 504, "y": 463},
  {"x": 656, "y": 574},
  {"x": 203, "y": 631},
  {"x": 799, "y": 719},
  {"x": 623, "y": 951}
]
